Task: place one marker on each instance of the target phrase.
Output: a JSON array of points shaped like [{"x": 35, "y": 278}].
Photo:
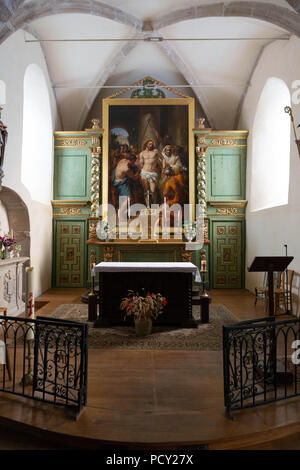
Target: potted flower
[
  {"x": 7, "y": 243},
  {"x": 144, "y": 309}
]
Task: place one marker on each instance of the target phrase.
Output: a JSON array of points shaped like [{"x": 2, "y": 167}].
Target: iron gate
[{"x": 44, "y": 359}]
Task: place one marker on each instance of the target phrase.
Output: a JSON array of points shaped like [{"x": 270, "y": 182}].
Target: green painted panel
[
  {"x": 226, "y": 175},
  {"x": 70, "y": 249},
  {"x": 227, "y": 254},
  {"x": 70, "y": 175}
]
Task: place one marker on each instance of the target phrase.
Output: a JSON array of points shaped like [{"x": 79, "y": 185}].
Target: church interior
[{"x": 127, "y": 108}]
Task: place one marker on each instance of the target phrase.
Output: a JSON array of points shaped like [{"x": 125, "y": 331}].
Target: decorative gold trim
[
  {"x": 221, "y": 132},
  {"x": 69, "y": 204},
  {"x": 92, "y": 230},
  {"x": 186, "y": 255},
  {"x": 108, "y": 254},
  {"x": 232, "y": 203},
  {"x": 86, "y": 133},
  {"x": 223, "y": 141},
  {"x": 227, "y": 211},
  {"x": 70, "y": 210},
  {"x": 201, "y": 150},
  {"x": 72, "y": 142},
  {"x": 71, "y": 215},
  {"x": 190, "y": 102},
  {"x": 140, "y": 82},
  {"x": 225, "y": 215},
  {"x": 92, "y": 258},
  {"x": 95, "y": 178}
]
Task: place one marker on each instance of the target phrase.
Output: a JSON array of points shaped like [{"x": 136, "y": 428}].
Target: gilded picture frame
[{"x": 135, "y": 121}]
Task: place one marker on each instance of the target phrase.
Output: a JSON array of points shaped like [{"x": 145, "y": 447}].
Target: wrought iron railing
[
  {"x": 44, "y": 359},
  {"x": 260, "y": 359}
]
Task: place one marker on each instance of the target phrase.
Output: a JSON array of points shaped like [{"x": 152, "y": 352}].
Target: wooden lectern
[{"x": 270, "y": 264}]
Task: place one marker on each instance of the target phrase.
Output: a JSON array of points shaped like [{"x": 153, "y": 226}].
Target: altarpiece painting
[{"x": 148, "y": 151}]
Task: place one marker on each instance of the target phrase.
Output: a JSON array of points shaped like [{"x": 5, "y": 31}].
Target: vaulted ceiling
[{"x": 212, "y": 47}]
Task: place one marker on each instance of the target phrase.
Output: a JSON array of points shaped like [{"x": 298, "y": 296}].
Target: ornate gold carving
[
  {"x": 92, "y": 231},
  {"x": 108, "y": 254},
  {"x": 201, "y": 150},
  {"x": 221, "y": 141},
  {"x": 140, "y": 82},
  {"x": 95, "y": 123},
  {"x": 73, "y": 142},
  {"x": 203, "y": 261},
  {"x": 186, "y": 255},
  {"x": 95, "y": 141},
  {"x": 201, "y": 122},
  {"x": 92, "y": 258},
  {"x": 227, "y": 211},
  {"x": 205, "y": 230},
  {"x": 95, "y": 179},
  {"x": 70, "y": 210}
]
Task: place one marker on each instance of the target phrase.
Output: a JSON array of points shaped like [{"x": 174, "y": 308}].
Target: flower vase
[
  {"x": 6, "y": 254},
  {"x": 143, "y": 326}
]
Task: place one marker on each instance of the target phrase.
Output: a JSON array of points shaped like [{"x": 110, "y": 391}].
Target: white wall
[
  {"x": 268, "y": 230},
  {"x": 15, "y": 57}
]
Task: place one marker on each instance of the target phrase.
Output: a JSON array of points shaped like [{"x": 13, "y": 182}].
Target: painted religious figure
[{"x": 148, "y": 154}]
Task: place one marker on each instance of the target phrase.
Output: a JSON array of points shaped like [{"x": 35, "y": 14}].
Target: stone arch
[
  {"x": 21, "y": 17},
  {"x": 268, "y": 12},
  {"x": 18, "y": 218}
]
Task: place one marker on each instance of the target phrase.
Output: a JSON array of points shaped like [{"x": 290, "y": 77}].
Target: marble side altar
[{"x": 11, "y": 281}]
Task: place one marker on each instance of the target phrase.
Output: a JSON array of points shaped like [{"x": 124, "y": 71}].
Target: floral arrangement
[
  {"x": 147, "y": 307},
  {"x": 7, "y": 241}
]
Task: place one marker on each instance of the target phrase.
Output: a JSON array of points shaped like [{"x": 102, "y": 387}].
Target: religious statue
[{"x": 3, "y": 140}]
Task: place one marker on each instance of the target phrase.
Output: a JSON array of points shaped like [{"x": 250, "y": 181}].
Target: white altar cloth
[{"x": 148, "y": 266}]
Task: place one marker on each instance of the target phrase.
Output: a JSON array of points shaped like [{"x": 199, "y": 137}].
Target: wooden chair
[
  {"x": 283, "y": 294},
  {"x": 261, "y": 293},
  {"x": 7, "y": 363}
]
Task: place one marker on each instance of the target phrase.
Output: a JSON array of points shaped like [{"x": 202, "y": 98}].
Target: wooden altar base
[{"x": 152, "y": 400}]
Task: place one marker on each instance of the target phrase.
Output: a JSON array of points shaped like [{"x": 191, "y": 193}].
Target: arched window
[
  {"x": 4, "y": 224},
  {"x": 37, "y": 148},
  {"x": 271, "y": 148},
  {"x": 2, "y": 92}
]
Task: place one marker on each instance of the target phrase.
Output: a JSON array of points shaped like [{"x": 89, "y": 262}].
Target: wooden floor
[{"x": 151, "y": 400}]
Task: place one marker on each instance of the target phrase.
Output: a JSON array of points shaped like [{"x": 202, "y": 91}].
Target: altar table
[{"x": 171, "y": 280}]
